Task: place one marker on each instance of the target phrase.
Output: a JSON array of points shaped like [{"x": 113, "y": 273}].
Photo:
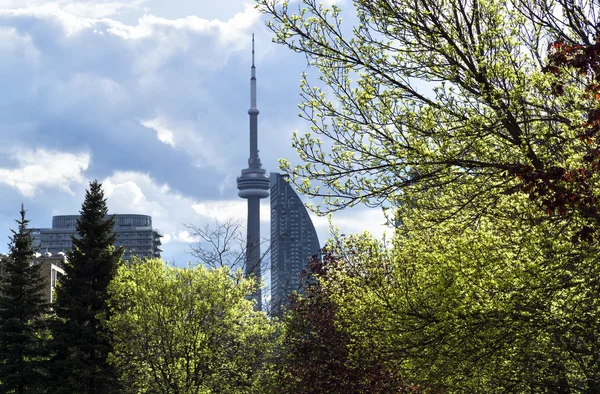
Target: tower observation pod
[{"x": 253, "y": 184}]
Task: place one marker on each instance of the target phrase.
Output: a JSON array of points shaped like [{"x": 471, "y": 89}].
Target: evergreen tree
[
  {"x": 22, "y": 316},
  {"x": 81, "y": 343}
]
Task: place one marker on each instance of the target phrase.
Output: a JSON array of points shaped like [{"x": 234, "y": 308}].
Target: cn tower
[{"x": 253, "y": 184}]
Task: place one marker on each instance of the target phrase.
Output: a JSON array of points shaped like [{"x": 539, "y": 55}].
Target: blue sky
[{"x": 150, "y": 98}]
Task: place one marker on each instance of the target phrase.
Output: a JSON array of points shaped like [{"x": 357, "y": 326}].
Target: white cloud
[
  {"x": 71, "y": 23},
  {"x": 101, "y": 76},
  {"x": 185, "y": 237},
  {"x": 355, "y": 220},
  {"x": 234, "y": 31},
  {"x": 99, "y": 9},
  {"x": 13, "y": 42},
  {"x": 85, "y": 90},
  {"x": 43, "y": 168},
  {"x": 134, "y": 192},
  {"x": 172, "y": 35},
  {"x": 224, "y": 210},
  {"x": 326, "y": 3},
  {"x": 163, "y": 133},
  {"x": 92, "y": 9},
  {"x": 187, "y": 136},
  {"x": 228, "y": 32}
]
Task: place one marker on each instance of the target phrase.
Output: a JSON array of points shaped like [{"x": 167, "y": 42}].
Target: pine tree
[
  {"x": 22, "y": 316},
  {"x": 81, "y": 342}
]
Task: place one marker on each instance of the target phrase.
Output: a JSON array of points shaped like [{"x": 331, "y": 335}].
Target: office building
[
  {"x": 134, "y": 233},
  {"x": 293, "y": 241}
]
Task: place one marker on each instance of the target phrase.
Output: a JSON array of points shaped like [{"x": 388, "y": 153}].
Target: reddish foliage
[
  {"x": 561, "y": 190},
  {"x": 584, "y": 58},
  {"x": 318, "y": 357}
]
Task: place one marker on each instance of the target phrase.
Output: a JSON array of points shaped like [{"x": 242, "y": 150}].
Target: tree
[
  {"x": 422, "y": 95},
  {"x": 571, "y": 57},
  {"x": 23, "y": 311},
  {"x": 477, "y": 123},
  {"x": 317, "y": 355},
  {"x": 81, "y": 343},
  {"x": 222, "y": 245},
  {"x": 497, "y": 307},
  {"x": 186, "y": 330}
]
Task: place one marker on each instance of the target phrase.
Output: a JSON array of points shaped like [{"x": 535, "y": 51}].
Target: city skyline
[{"x": 151, "y": 101}]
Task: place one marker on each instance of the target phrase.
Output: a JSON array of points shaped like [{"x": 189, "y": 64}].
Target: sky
[{"x": 149, "y": 97}]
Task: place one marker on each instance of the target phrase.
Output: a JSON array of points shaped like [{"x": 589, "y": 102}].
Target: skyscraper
[
  {"x": 134, "y": 233},
  {"x": 293, "y": 241},
  {"x": 253, "y": 184}
]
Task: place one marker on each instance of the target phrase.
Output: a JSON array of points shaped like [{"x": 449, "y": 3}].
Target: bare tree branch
[{"x": 222, "y": 244}]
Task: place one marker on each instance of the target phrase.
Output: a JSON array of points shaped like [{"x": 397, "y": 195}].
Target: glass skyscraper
[
  {"x": 134, "y": 233},
  {"x": 293, "y": 241}
]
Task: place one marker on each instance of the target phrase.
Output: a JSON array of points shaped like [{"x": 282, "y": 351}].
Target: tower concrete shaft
[
  {"x": 253, "y": 184},
  {"x": 253, "y": 253}
]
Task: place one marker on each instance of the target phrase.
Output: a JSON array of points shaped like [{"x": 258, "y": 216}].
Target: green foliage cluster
[
  {"x": 318, "y": 356},
  {"x": 140, "y": 327},
  {"x": 423, "y": 95},
  {"x": 492, "y": 309},
  {"x": 187, "y": 330},
  {"x": 477, "y": 124}
]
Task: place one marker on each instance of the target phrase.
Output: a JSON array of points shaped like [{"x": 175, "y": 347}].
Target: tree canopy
[
  {"x": 484, "y": 97},
  {"x": 187, "y": 330},
  {"x": 317, "y": 355},
  {"x": 477, "y": 123},
  {"x": 499, "y": 307}
]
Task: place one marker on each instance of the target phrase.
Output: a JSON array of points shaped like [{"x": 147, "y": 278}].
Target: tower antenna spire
[{"x": 253, "y": 81}]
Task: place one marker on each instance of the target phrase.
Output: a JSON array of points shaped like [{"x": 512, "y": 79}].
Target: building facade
[
  {"x": 134, "y": 233},
  {"x": 51, "y": 269},
  {"x": 293, "y": 241}
]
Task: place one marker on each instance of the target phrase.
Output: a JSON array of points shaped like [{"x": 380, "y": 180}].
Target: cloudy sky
[{"x": 150, "y": 98}]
